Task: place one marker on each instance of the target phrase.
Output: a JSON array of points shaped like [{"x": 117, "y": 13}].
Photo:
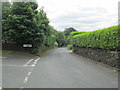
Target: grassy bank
[{"x": 45, "y": 50}]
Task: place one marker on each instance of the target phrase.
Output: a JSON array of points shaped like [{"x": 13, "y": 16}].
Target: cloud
[{"x": 85, "y": 15}]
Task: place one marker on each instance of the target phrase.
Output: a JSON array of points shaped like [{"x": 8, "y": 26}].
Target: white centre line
[
  {"x": 29, "y": 73},
  {"x": 25, "y": 80}
]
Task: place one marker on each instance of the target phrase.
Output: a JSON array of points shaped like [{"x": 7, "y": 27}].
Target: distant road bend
[{"x": 58, "y": 69}]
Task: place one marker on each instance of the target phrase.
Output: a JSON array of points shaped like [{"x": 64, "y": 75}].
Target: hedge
[
  {"x": 76, "y": 33},
  {"x": 107, "y": 39}
]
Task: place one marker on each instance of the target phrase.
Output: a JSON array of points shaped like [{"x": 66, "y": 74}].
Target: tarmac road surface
[{"x": 60, "y": 68}]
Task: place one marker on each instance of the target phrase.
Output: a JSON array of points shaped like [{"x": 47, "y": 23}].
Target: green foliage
[
  {"x": 34, "y": 50},
  {"x": 76, "y": 33},
  {"x": 67, "y": 31},
  {"x": 61, "y": 40},
  {"x": 7, "y": 51},
  {"x": 24, "y": 24},
  {"x": 51, "y": 40},
  {"x": 21, "y": 24},
  {"x": 69, "y": 38},
  {"x": 5, "y": 13},
  {"x": 107, "y": 39},
  {"x": 5, "y": 10},
  {"x": 69, "y": 47}
]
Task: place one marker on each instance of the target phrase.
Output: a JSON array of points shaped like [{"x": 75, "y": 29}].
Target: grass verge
[
  {"x": 46, "y": 51},
  {"x": 7, "y": 51}
]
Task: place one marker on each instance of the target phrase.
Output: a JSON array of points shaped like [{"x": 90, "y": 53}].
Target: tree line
[{"x": 23, "y": 23}]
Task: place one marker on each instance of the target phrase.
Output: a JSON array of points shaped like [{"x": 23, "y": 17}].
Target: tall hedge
[
  {"x": 76, "y": 33},
  {"x": 107, "y": 38}
]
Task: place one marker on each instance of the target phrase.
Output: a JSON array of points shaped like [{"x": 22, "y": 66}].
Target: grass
[
  {"x": 7, "y": 51},
  {"x": 69, "y": 47},
  {"x": 46, "y": 51}
]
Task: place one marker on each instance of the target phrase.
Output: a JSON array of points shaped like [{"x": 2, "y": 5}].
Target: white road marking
[
  {"x": 16, "y": 65},
  {"x": 29, "y": 62},
  {"x": 26, "y": 65},
  {"x": 29, "y": 73},
  {"x": 33, "y": 65},
  {"x": 25, "y": 80},
  {"x": 3, "y": 57},
  {"x": 35, "y": 62}
]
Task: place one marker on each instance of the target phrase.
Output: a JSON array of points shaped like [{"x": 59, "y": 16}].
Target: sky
[{"x": 83, "y": 15}]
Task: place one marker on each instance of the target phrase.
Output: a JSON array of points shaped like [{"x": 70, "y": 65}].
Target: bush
[
  {"x": 69, "y": 47},
  {"x": 107, "y": 39},
  {"x": 35, "y": 50},
  {"x": 50, "y": 40}
]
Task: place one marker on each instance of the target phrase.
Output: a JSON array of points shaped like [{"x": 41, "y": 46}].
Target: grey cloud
[
  {"x": 87, "y": 19},
  {"x": 97, "y": 9},
  {"x": 77, "y": 26},
  {"x": 74, "y": 17},
  {"x": 119, "y": 13}
]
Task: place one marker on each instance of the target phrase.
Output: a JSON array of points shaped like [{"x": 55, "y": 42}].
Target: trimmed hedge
[
  {"x": 107, "y": 38},
  {"x": 76, "y": 33},
  {"x": 69, "y": 38}
]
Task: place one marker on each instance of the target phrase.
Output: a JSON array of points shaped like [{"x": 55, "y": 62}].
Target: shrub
[
  {"x": 34, "y": 50},
  {"x": 107, "y": 38},
  {"x": 51, "y": 40},
  {"x": 69, "y": 47}
]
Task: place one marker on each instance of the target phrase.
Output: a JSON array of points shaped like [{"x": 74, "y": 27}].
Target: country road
[{"x": 60, "y": 68}]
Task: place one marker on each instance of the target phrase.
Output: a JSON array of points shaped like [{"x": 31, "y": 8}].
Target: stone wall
[{"x": 110, "y": 58}]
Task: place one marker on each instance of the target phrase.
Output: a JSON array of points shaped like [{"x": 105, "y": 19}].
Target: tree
[
  {"x": 67, "y": 31},
  {"x": 27, "y": 25},
  {"x": 5, "y": 10},
  {"x": 43, "y": 25},
  {"x": 22, "y": 26},
  {"x": 61, "y": 39},
  {"x": 5, "y": 13}
]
